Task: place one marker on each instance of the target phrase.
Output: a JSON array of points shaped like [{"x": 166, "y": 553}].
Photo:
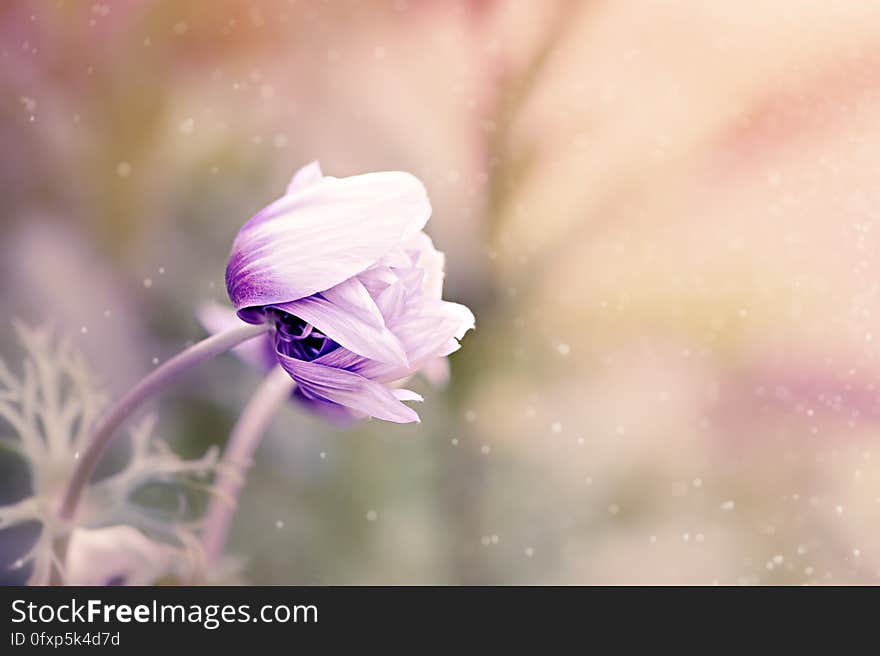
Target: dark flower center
[{"x": 298, "y": 339}]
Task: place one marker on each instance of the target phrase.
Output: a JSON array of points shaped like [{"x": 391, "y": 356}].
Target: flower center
[{"x": 298, "y": 339}]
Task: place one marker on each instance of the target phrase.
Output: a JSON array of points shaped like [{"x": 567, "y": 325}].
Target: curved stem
[
  {"x": 105, "y": 428},
  {"x": 243, "y": 441}
]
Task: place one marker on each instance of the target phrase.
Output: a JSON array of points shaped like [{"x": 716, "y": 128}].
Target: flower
[
  {"x": 122, "y": 555},
  {"x": 352, "y": 287}
]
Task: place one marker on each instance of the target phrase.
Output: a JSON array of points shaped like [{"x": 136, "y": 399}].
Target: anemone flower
[{"x": 351, "y": 287}]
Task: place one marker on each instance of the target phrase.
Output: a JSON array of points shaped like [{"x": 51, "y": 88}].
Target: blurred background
[{"x": 664, "y": 214}]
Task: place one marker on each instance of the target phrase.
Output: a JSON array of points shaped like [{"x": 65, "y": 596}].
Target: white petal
[
  {"x": 322, "y": 234},
  {"x": 431, "y": 261},
  {"x": 437, "y": 372},
  {"x": 117, "y": 553},
  {"x": 424, "y": 337},
  {"x": 307, "y": 175},
  {"x": 407, "y": 395}
]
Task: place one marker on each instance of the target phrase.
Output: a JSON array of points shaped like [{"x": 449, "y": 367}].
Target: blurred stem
[
  {"x": 161, "y": 376},
  {"x": 57, "y": 574},
  {"x": 243, "y": 441}
]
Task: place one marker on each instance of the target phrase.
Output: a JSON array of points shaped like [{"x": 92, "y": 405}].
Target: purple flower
[{"x": 352, "y": 287}]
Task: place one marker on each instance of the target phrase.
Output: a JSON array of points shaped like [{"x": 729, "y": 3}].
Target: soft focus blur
[{"x": 664, "y": 215}]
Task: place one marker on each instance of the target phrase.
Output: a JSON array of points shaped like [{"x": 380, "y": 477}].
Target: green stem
[
  {"x": 161, "y": 376},
  {"x": 243, "y": 441}
]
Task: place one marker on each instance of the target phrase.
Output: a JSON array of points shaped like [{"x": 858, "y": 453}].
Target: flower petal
[
  {"x": 119, "y": 555},
  {"x": 322, "y": 234},
  {"x": 348, "y": 315},
  {"x": 437, "y": 372},
  {"x": 460, "y": 313},
  {"x": 407, "y": 395},
  {"x": 431, "y": 261},
  {"x": 348, "y": 389},
  {"x": 392, "y": 300},
  {"x": 338, "y": 415},
  {"x": 307, "y": 175},
  {"x": 377, "y": 278},
  {"x": 351, "y": 296},
  {"x": 424, "y": 337}
]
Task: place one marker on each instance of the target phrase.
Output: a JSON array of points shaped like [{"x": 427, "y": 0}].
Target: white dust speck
[
  {"x": 529, "y": 552},
  {"x": 556, "y": 427},
  {"x": 279, "y": 524},
  {"x": 728, "y": 505},
  {"x": 148, "y": 282},
  {"x": 123, "y": 169},
  {"x": 187, "y": 126},
  {"x": 564, "y": 349},
  {"x": 372, "y": 515},
  {"x": 279, "y": 141},
  {"x": 454, "y": 441},
  {"x": 485, "y": 449}
]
